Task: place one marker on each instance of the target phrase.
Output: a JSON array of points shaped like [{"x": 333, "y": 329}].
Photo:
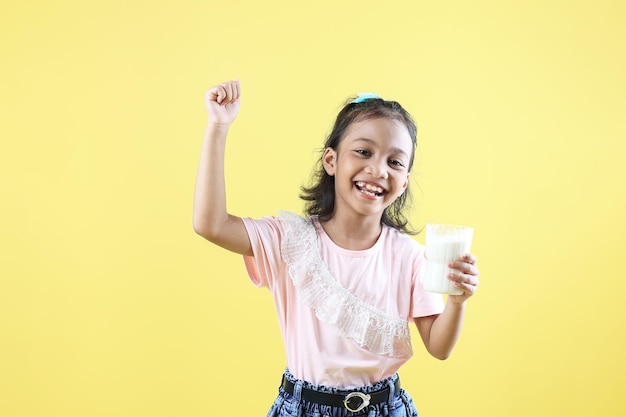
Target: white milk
[{"x": 444, "y": 244}]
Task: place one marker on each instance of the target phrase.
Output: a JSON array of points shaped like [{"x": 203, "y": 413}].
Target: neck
[{"x": 353, "y": 233}]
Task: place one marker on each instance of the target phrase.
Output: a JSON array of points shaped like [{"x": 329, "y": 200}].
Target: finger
[
  {"x": 464, "y": 267},
  {"x": 469, "y": 258},
  {"x": 228, "y": 87},
  {"x": 468, "y": 290},
  {"x": 463, "y": 278},
  {"x": 237, "y": 89},
  {"x": 233, "y": 91},
  {"x": 467, "y": 282},
  {"x": 457, "y": 276},
  {"x": 217, "y": 94},
  {"x": 459, "y": 266}
]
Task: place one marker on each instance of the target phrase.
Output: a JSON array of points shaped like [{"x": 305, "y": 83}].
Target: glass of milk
[{"x": 444, "y": 243}]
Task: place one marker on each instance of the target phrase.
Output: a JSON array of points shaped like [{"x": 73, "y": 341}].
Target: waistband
[{"x": 351, "y": 400}]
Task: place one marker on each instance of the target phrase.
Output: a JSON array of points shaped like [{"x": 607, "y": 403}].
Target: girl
[{"x": 345, "y": 277}]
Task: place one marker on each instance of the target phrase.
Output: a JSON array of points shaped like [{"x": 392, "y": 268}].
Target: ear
[
  {"x": 329, "y": 161},
  {"x": 406, "y": 183}
]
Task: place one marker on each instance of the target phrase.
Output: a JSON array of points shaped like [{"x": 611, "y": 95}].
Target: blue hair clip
[{"x": 363, "y": 97}]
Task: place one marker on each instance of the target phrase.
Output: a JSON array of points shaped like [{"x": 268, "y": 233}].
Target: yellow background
[{"x": 110, "y": 305}]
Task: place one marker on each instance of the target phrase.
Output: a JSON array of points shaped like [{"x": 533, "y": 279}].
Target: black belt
[{"x": 354, "y": 401}]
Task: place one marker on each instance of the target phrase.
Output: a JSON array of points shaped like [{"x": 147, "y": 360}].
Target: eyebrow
[{"x": 373, "y": 142}]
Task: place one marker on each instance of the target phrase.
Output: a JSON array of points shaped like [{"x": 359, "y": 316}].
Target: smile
[{"x": 369, "y": 189}]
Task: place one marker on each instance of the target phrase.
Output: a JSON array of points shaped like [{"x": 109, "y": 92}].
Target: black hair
[{"x": 320, "y": 196}]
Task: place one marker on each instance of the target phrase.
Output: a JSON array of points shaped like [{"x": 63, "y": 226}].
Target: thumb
[{"x": 216, "y": 94}]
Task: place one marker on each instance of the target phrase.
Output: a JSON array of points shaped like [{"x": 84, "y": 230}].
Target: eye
[
  {"x": 396, "y": 163},
  {"x": 363, "y": 152}
]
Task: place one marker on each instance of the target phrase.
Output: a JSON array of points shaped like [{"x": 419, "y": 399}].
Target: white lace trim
[{"x": 369, "y": 327}]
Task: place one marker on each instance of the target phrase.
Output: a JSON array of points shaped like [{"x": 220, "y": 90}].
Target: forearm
[
  {"x": 445, "y": 330},
  {"x": 209, "y": 208}
]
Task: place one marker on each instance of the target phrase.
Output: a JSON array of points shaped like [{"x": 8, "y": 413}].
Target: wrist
[
  {"x": 217, "y": 127},
  {"x": 456, "y": 304}
]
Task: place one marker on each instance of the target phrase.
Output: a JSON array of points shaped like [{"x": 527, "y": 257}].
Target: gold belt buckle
[{"x": 365, "y": 401}]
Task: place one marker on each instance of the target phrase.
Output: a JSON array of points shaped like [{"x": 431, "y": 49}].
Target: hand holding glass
[{"x": 444, "y": 243}]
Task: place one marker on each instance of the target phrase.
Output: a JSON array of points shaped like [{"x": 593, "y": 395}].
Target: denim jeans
[{"x": 399, "y": 404}]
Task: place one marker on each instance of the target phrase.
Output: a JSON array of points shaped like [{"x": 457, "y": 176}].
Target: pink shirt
[{"x": 343, "y": 314}]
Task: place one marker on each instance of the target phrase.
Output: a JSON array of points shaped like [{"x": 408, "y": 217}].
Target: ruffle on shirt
[{"x": 370, "y": 328}]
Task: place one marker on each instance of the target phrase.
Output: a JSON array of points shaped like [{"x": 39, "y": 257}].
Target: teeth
[
  {"x": 369, "y": 187},
  {"x": 369, "y": 193}
]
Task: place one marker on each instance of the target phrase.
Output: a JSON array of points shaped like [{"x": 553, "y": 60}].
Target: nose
[{"x": 376, "y": 171}]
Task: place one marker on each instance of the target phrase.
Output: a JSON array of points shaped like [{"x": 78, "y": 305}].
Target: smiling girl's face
[{"x": 370, "y": 166}]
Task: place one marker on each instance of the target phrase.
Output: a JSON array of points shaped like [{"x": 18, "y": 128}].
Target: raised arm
[{"x": 211, "y": 219}]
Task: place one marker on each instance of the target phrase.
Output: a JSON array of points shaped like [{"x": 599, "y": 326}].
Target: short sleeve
[
  {"x": 423, "y": 303},
  {"x": 265, "y": 236}
]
